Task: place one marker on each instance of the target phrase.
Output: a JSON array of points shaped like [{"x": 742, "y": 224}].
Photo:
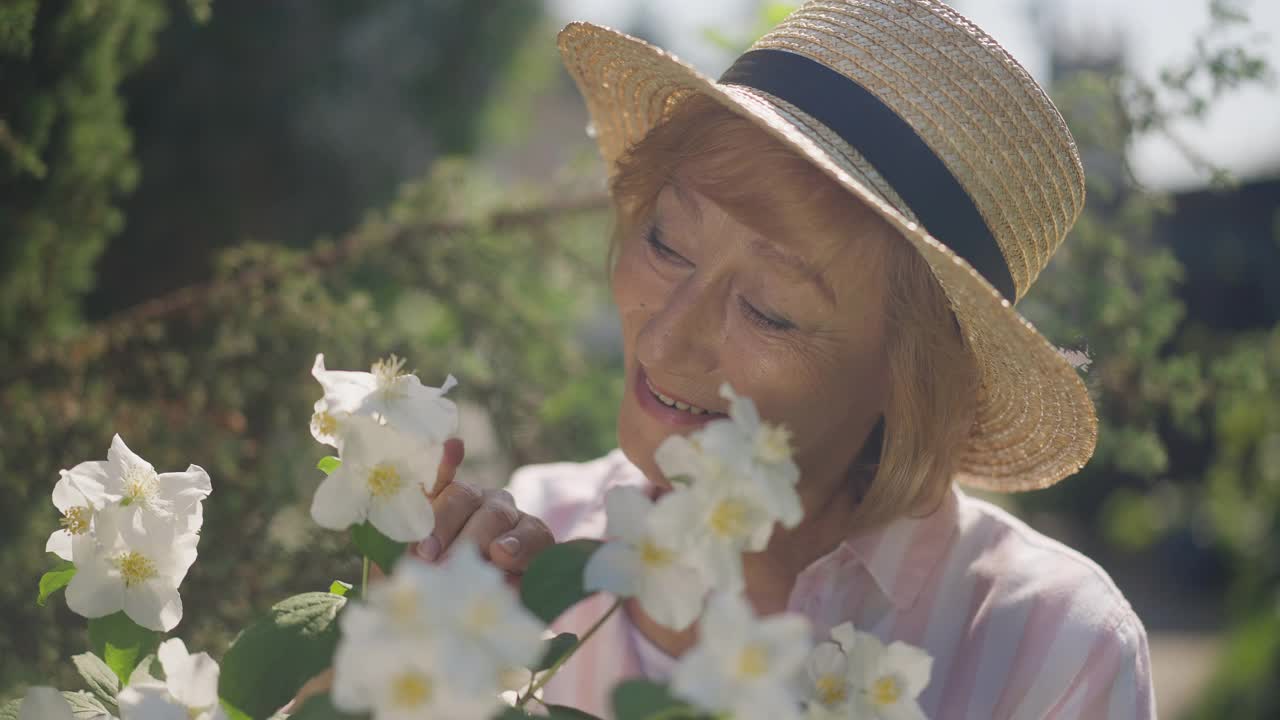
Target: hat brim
[{"x": 1035, "y": 423}]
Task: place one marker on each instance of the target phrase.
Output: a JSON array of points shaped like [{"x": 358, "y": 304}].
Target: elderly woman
[{"x": 839, "y": 228}]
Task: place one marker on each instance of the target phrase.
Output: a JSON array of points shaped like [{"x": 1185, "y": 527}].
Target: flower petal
[
  {"x": 154, "y": 605},
  {"x": 912, "y": 663},
  {"x": 339, "y": 502},
  {"x": 614, "y": 568},
  {"x": 678, "y": 457},
  {"x": 184, "y": 489},
  {"x": 119, "y": 459},
  {"x": 44, "y": 703},
  {"x": 94, "y": 591},
  {"x": 66, "y": 493},
  {"x": 905, "y": 709},
  {"x": 741, "y": 409},
  {"x": 627, "y": 510},
  {"x": 91, "y": 478},
  {"x": 59, "y": 544},
  {"x": 149, "y": 701},
  {"x": 674, "y": 596},
  {"x": 405, "y": 516},
  {"x": 192, "y": 679},
  {"x": 344, "y": 390}
]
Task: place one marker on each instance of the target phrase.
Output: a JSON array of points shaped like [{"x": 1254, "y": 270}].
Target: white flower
[
  {"x": 637, "y": 562},
  {"x": 188, "y": 692},
  {"x": 132, "y": 482},
  {"x": 402, "y": 679},
  {"x": 825, "y": 681},
  {"x": 132, "y": 566},
  {"x": 78, "y": 495},
  {"x": 887, "y": 681},
  {"x": 743, "y": 665},
  {"x": 712, "y": 522},
  {"x": 383, "y": 478},
  {"x": 44, "y": 703},
  {"x": 388, "y": 395},
  {"x": 433, "y": 641},
  {"x": 757, "y": 454},
  {"x": 484, "y": 628}
]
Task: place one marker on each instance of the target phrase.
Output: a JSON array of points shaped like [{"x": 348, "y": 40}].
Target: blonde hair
[{"x": 763, "y": 184}]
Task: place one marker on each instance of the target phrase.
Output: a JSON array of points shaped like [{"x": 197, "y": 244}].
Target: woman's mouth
[
  {"x": 672, "y": 402},
  {"x": 668, "y": 409}
]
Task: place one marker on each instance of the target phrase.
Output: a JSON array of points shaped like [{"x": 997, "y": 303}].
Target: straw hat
[{"x": 926, "y": 119}]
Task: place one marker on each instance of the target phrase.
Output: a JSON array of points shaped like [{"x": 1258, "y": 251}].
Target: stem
[
  {"x": 551, "y": 671},
  {"x": 364, "y": 580}
]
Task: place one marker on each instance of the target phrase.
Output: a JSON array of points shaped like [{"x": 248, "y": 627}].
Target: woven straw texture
[{"x": 995, "y": 130}]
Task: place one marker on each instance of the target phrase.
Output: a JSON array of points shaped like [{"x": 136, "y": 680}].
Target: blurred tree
[
  {"x": 280, "y": 122},
  {"x": 66, "y": 157}
]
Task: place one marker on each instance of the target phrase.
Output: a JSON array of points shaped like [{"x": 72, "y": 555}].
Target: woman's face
[{"x": 795, "y": 323}]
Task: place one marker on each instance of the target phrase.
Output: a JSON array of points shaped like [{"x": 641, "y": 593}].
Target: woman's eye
[
  {"x": 662, "y": 250},
  {"x": 763, "y": 320}
]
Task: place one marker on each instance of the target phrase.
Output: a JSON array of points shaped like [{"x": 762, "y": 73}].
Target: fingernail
[
  {"x": 428, "y": 549},
  {"x": 510, "y": 544}
]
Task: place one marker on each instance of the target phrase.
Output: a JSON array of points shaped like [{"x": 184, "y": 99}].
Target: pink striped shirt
[{"x": 1019, "y": 625}]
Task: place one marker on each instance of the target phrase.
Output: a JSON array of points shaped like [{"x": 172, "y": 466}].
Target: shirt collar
[{"x": 903, "y": 554}]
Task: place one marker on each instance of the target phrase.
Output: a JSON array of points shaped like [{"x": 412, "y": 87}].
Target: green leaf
[
  {"x": 510, "y": 713},
  {"x": 555, "y": 648},
  {"x": 553, "y": 582},
  {"x": 646, "y": 700},
  {"x": 337, "y": 587},
  {"x": 377, "y": 547},
  {"x": 102, "y": 681},
  {"x": 85, "y": 706},
  {"x": 328, "y": 464},
  {"x": 55, "y": 580},
  {"x": 564, "y": 712},
  {"x": 275, "y": 656},
  {"x": 320, "y": 707},
  {"x": 121, "y": 643}
]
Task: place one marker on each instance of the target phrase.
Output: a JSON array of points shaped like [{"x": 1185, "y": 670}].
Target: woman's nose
[{"x": 685, "y": 334}]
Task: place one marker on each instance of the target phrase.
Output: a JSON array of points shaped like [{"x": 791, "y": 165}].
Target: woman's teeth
[{"x": 669, "y": 402}]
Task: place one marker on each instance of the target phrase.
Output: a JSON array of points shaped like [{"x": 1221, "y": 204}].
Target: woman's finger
[
  {"x": 453, "y": 507},
  {"x": 496, "y": 516},
  {"x": 513, "y": 551},
  {"x": 454, "y": 451}
]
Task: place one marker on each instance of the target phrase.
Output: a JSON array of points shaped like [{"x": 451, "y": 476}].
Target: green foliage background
[{"x": 194, "y": 337}]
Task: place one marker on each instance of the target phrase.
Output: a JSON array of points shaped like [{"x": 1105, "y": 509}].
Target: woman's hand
[{"x": 489, "y": 519}]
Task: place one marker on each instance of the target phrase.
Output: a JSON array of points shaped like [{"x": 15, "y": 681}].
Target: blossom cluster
[
  {"x": 389, "y": 430},
  {"x": 131, "y": 533},
  {"x": 734, "y": 480},
  {"x": 433, "y": 641},
  {"x": 189, "y": 690},
  {"x": 856, "y": 676}
]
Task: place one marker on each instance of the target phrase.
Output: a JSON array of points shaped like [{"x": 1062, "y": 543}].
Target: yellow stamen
[
  {"x": 654, "y": 556},
  {"x": 729, "y": 518},
  {"x": 135, "y": 568},
  {"x": 387, "y": 371},
  {"x": 773, "y": 443},
  {"x": 832, "y": 690},
  {"x": 76, "y": 520},
  {"x": 411, "y": 690},
  {"x": 141, "y": 485},
  {"x": 324, "y": 423},
  {"x": 384, "y": 480},
  {"x": 886, "y": 690},
  {"x": 753, "y": 662}
]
